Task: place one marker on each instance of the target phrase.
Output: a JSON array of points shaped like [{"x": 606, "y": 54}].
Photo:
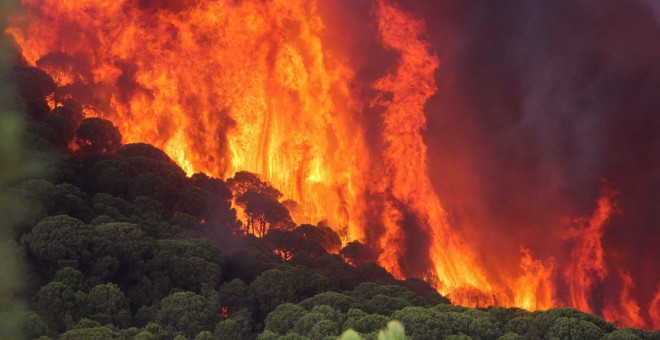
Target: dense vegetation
[{"x": 120, "y": 244}]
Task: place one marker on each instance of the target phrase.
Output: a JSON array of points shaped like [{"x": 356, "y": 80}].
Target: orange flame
[
  {"x": 220, "y": 86},
  {"x": 409, "y": 86},
  {"x": 654, "y": 310},
  {"x": 587, "y": 267},
  {"x": 534, "y": 289},
  {"x": 627, "y": 311}
]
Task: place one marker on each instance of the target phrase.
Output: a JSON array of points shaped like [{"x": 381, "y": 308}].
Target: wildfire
[{"x": 225, "y": 86}]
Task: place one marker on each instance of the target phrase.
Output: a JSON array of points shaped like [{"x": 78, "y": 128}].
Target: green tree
[
  {"x": 306, "y": 323},
  {"x": 86, "y": 323},
  {"x": 574, "y": 329},
  {"x": 544, "y": 321},
  {"x": 366, "y": 323},
  {"x": 229, "y": 329},
  {"x": 190, "y": 265},
  {"x": 283, "y": 318},
  {"x": 97, "y": 333},
  {"x": 59, "y": 241},
  {"x": 204, "y": 335},
  {"x": 187, "y": 313},
  {"x": 622, "y": 334},
  {"x": 155, "y": 331},
  {"x": 107, "y": 304},
  {"x": 336, "y": 300},
  {"x": 72, "y": 278},
  {"x": 423, "y": 323},
  {"x": 324, "y": 329},
  {"x": 386, "y": 305},
  {"x": 59, "y": 305},
  {"x": 519, "y": 325},
  {"x": 236, "y": 295},
  {"x": 120, "y": 252},
  {"x": 33, "y": 326},
  {"x": 484, "y": 328},
  {"x": 276, "y": 286}
]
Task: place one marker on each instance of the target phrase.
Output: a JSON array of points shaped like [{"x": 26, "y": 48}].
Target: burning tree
[{"x": 263, "y": 213}]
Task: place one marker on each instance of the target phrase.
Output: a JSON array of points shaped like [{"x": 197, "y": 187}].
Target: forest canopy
[{"x": 118, "y": 243}]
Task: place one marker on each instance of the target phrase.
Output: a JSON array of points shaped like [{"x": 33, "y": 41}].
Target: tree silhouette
[
  {"x": 96, "y": 135},
  {"x": 264, "y": 212}
]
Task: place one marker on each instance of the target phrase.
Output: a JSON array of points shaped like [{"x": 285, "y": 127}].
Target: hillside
[{"x": 118, "y": 243}]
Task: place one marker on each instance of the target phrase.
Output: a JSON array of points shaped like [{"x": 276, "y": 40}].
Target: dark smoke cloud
[{"x": 539, "y": 104}]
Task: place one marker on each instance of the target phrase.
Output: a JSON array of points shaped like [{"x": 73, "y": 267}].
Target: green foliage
[
  {"x": 542, "y": 323},
  {"x": 268, "y": 335},
  {"x": 394, "y": 331},
  {"x": 350, "y": 335},
  {"x": 519, "y": 325},
  {"x": 118, "y": 237},
  {"x": 228, "y": 329},
  {"x": 283, "y": 318},
  {"x": 38, "y": 198},
  {"x": 186, "y": 312},
  {"x": 72, "y": 278},
  {"x": 59, "y": 305},
  {"x": 383, "y": 304},
  {"x": 511, "y": 336},
  {"x": 336, "y": 300},
  {"x": 155, "y": 331},
  {"x": 623, "y": 334},
  {"x": 190, "y": 265},
  {"x": 423, "y": 323},
  {"x": 236, "y": 295},
  {"x": 128, "y": 333},
  {"x": 108, "y": 305},
  {"x": 458, "y": 337},
  {"x": 305, "y": 323},
  {"x": 97, "y": 333},
  {"x": 503, "y": 315},
  {"x": 323, "y": 329},
  {"x": 120, "y": 252},
  {"x": 366, "y": 323},
  {"x": 574, "y": 329},
  {"x": 484, "y": 329},
  {"x": 59, "y": 241},
  {"x": 33, "y": 326},
  {"x": 276, "y": 286},
  {"x": 86, "y": 323},
  {"x": 204, "y": 335}
]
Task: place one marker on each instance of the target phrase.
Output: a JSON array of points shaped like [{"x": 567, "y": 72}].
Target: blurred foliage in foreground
[{"x": 10, "y": 171}]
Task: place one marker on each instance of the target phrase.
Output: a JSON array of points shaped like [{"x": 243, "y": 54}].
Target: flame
[
  {"x": 220, "y": 86},
  {"x": 225, "y": 86},
  {"x": 587, "y": 267},
  {"x": 627, "y": 310},
  {"x": 408, "y": 87},
  {"x": 654, "y": 310},
  {"x": 534, "y": 289}
]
